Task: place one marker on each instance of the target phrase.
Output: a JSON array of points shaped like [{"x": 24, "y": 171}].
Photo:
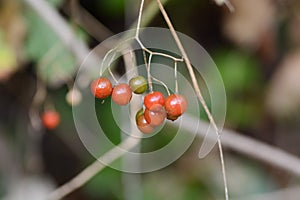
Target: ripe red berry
[
  {"x": 152, "y": 99},
  {"x": 143, "y": 125},
  {"x": 138, "y": 84},
  {"x": 156, "y": 116},
  {"x": 50, "y": 119},
  {"x": 101, "y": 88},
  {"x": 175, "y": 105},
  {"x": 173, "y": 118},
  {"x": 121, "y": 94}
]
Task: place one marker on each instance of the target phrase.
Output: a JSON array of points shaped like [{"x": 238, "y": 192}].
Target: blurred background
[{"x": 256, "y": 49}]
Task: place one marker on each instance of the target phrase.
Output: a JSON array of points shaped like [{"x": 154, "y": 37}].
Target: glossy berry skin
[
  {"x": 152, "y": 99},
  {"x": 50, "y": 119},
  {"x": 101, "y": 88},
  {"x": 143, "y": 125},
  {"x": 121, "y": 94},
  {"x": 138, "y": 84},
  {"x": 155, "y": 117},
  {"x": 172, "y": 118},
  {"x": 175, "y": 105},
  {"x": 139, "y": 113}
]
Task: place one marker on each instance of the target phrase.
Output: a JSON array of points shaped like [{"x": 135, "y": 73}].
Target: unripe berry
[
  {"x": 139, "y": 113},
  {"x": 138, "y": 84}
]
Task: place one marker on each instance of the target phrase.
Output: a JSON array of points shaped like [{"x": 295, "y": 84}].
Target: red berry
[
  {"x": 50, "y": 119},
  {"x": 173, "y": 118},
  {"x": 143, "y": 125},
  {"x": 156, "y": 116},
  {"x": 175, "y": 105},
  {"x": 101, "y": 88},
  {"x": 121, "y": 94},
  {"x": 154, "y": 98}
]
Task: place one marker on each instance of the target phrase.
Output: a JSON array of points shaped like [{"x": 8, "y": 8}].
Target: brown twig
[
  {"x": 248, "y": 146},
  {"x": 61, "y": 28},
  {"x": 197, "y": 89},
  {"x": 89, "y": 172},
  {"x": 82, "y": 17},
  {"x": 230, "y": 139}
]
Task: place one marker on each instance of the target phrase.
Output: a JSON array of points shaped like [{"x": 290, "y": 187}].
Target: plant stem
[
  {"x": 139, "y": 19},
  {"x": 89, "y": 172},
  {"x": 175, "y": 76},
  {"x": 231, "y": 139},
  {"x": 149, "y": 73},
  {"x": 61, "y": 28},
  {"x": 197, "y": 89},
  {"x": 247, "y": 146}
]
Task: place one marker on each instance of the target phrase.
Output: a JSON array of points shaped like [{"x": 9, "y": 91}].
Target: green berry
[
  {"x": 139, "y": 113},
  {"x": 138, "y": 84}
]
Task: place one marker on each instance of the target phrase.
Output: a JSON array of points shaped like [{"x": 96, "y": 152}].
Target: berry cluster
[{"x": 157, "y": 107}]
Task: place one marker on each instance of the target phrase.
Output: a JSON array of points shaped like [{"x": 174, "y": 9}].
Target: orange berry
[
  {"x": 175, "y": 105},
  {"x": 142, "y": 124},
  {"x": 154, "y": 98},
  {"x": 121, "y": 94},
  {"x": 50, "y": 119},
  {"x": 156, "y": 116},
  {"x": 101, "y": 88}
]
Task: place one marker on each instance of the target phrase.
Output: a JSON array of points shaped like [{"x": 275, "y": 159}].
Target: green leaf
[
  {"x": 55, "y": 3},
  {"x": 239, "y": 71},
  {"x": 8, "y": 60},
  {"x": 55, "y": 64},
  {"x": 58, "y": 67},
  {"x": 243, "y": 83}
]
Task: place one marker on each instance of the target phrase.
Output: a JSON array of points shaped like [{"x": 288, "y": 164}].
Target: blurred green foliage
[
  {"x": 112, "y": 8},
  {"x": 8, "y": 60},
  {"x": 106, "y": 185},
  {"x": 244, "y": 86},
  {"x": 55, "y": 64}
]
